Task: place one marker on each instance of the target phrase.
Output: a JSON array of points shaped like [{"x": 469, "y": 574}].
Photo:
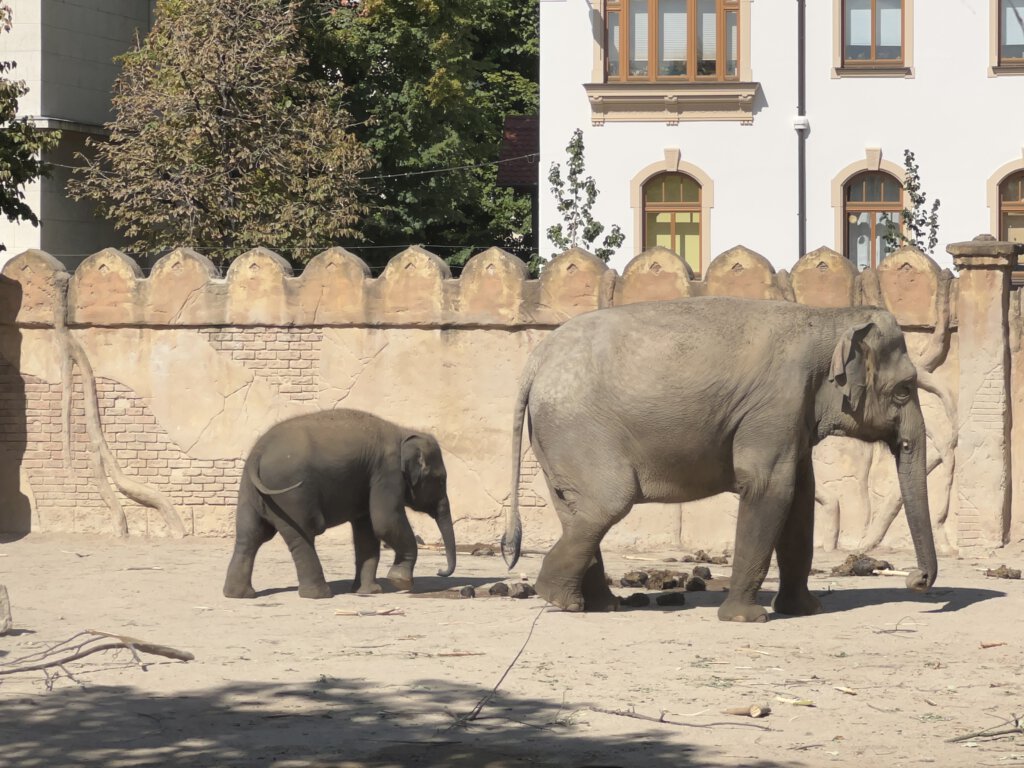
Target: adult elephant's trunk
[
  {"x": 909, "y": 451},
  {"x": 444, "y": 524}
]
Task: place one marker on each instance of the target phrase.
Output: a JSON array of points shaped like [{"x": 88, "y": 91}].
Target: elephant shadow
[
  {"x": 422, "y": 584},
  {"x": 945, "y": 600}
]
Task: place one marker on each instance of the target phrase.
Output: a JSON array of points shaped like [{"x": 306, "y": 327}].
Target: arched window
[
  {"x": 672, "y": 216},
  {"x": 872, "y": 207},
  {"x": 1011, "y": 208}
]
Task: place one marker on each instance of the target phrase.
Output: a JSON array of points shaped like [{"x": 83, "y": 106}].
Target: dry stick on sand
[
  {"x": 475, "y": 712},
  {"x": 67, "y": 651},
  {"x": 663, "y": 719},
  {"x": 1016, "y": 723}
]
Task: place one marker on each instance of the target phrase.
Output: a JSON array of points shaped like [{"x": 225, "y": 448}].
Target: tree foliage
[
  {"x": 21, "y": 143},
  {"x": 920, "y": 225},
  {"x": 431, "y": 82},
  {"x": 221, "y": 139},
  {"x": 576, "y": 195}
]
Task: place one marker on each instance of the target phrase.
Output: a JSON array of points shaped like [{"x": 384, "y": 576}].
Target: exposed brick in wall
[{"x": 286, "y": 358}]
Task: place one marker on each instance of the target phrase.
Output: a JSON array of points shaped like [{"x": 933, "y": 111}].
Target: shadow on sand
[{"x": 329, "y": 722}]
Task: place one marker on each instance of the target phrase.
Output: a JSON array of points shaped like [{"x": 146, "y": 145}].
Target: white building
[
  {"x": 781, "y": 125},
  {"x": 64, "y": 51}
]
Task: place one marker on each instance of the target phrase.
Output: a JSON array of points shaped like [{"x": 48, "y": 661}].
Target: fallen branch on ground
[
  {"x": 1016, "y": 723},
  {"x": 475, "y": 712},
  {"x": 666, "y": 721},
  {"x": 84, "y": 644}
]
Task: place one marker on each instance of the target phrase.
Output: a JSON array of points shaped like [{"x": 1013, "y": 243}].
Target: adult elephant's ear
[
  {"x": 849, "y": 370},
  {"x": 414, "y": 462}
]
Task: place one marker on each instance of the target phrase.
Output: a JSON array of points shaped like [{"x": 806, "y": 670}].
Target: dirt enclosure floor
[{"x": 346, "y": 682}]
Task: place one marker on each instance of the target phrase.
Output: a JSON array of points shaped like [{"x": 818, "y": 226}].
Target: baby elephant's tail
[
  {"x": 512, "y": 538},
  {"x": 253, "y": 474}
]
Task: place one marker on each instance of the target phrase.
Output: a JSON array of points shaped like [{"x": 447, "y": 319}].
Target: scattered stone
[
  {"x": 420, "y": 540},
  {"x": 674, "y": 597},
  {"x": 686, "y": 559},
  {"x": 702, "y": 572},
  {"x": 499, "y": 590},
  {"x": 467, "y": 591},
  {"x": 6, "y": 623},
  {"x": 816, "y": 571},
  {"x": 700, "y": 556},
  {"x": 1002, "y": 572},
  {"x": 634, "y": 579},
  {"x": 521, "y": 590},
  {"x": 720, "y": 560},
  {"x": 662, "y": 580},
  {"x": 636, "y": 600},
  {"x": 671, "y": 560},
  {"x": 696, "y": 584},
  {"x": 860, "y": 565},
  {"x": 483, "y": 551}
]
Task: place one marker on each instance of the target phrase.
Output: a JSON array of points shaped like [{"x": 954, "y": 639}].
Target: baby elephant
[{"x": 316, "y": 471}]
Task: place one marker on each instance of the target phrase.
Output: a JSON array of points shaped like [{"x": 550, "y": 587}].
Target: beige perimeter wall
[{"x": 129, "y": 403}]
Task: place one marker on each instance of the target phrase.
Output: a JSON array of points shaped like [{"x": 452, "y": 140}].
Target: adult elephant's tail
[{"x": 512, "y": 538}]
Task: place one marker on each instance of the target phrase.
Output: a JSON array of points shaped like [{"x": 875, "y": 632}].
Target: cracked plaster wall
[{"x": 192, "y": 367}]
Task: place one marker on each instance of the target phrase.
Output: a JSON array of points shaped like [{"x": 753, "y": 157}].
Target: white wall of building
[
  {"x": 64, "y": 51},
  {"x": 961, "y": 123}
]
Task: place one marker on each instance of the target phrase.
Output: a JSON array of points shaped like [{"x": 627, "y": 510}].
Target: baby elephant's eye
[{"x": 902, "y": 392}]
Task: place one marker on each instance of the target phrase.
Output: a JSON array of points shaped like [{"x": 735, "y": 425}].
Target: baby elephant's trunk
[{"x": 444, "y": 524}]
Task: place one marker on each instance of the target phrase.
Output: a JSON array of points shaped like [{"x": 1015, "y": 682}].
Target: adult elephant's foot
[
  {"x": 596, "y": 595},
  {"x": 734, "y": 610},
  {"x": 796, "y": 603},
  {"x": 315, "y": 591},
  {"x": 239, "y": 591},
  {"x": 400, "y": 577},
  {"x": 559, "y": 595},
  {"x": 370, "y": 588}
]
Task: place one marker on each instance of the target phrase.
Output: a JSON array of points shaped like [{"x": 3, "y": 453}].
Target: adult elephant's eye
[{"x": 901, "y": 394}]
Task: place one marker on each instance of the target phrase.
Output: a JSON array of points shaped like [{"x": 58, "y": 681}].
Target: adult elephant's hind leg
[
  {"x": 572, "y": 574},
  {"x": 795, "y": 549},
  {"x": 251, "y": 532},
  {"x": 596, "y": 594}
]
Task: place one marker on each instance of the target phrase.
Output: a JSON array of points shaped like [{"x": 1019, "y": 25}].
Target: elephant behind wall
[
  {"x": 316, "y": 471},
  {"x": 675, "y": 401}
]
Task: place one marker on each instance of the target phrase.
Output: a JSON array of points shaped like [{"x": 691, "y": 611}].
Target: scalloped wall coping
[{"x": 416, "y": 288}]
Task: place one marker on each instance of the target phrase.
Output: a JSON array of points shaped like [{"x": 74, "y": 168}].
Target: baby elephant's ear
[
  {"x": 414, "y": 462},
  {"x": 849, "y": 370}
]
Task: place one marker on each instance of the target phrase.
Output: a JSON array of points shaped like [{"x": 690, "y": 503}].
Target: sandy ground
[{"x": 289, "y": 682}]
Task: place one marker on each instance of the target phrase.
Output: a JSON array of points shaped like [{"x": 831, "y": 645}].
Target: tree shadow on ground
[{"x": 329, "y": 722}]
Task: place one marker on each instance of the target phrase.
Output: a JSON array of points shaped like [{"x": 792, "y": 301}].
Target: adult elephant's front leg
[
  {"x": 367, "y": 547},
  {"x": 795, "y": 549},
  {"x": 387, "y": 515},
  {"x": 765, "y": 499}
]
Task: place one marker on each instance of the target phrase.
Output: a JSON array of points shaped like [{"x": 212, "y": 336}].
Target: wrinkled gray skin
[
  {"x": 313, "y": 472},
  {"x": 679, "y": 400}
]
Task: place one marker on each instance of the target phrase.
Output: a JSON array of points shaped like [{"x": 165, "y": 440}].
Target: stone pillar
[{"x": 983, "y": 446}]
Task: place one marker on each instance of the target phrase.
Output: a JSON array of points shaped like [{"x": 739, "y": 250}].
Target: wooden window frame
[
  {"x": 997, "y": 64},
  {"x": 1005, "y": 207},
  {"x": 722, "y": 8},
  {"x": 904, "y": 67},
  {"x": 674, "y": 207},
  {"x": 670, "y": 99},
  {"x": 869, "y": 206}
]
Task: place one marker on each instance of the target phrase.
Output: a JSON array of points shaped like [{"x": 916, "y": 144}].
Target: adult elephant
[
  {"x": 674, "y": 401},
  {"x": 316, "y": 471}
]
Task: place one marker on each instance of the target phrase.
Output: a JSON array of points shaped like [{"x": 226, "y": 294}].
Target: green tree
[
  {"x": 576, "y": 195},
  {"x": 222, "y": 141},
  {"x": 21, "y": 143},
  {"x": 431, "y": 83},
  {"x": 920, "y": 225}
]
